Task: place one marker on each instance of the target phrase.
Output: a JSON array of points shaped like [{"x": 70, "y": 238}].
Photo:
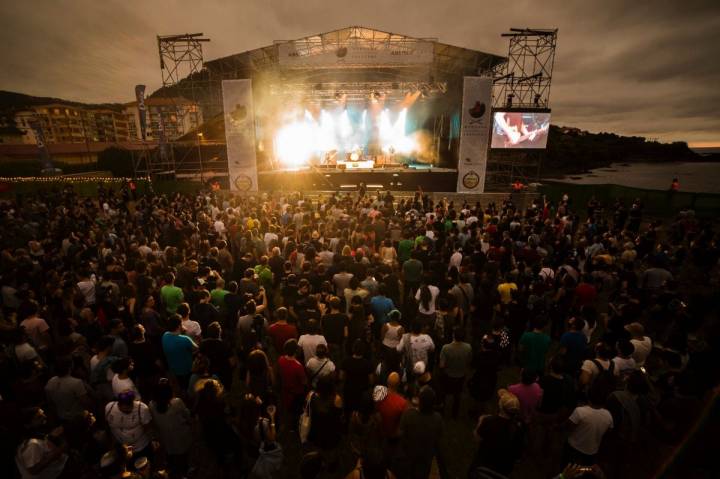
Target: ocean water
[{"x": 694, "y": 177}]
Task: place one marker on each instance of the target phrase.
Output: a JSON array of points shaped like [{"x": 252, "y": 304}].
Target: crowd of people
[{"x": 214, "y": 335}]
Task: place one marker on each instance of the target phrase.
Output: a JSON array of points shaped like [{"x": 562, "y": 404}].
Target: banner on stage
[
  {"x": 474, "y": 134},
  {"x": 240, "y": 134},
  {"x": 140, "y": 97},
  {"x": 293, "y": 54}
]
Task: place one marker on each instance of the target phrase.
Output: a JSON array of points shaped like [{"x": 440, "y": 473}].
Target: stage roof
[{"x": 356, "y": 47}]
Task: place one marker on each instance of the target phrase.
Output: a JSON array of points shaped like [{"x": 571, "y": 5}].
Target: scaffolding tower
[
  {"x": 183, "y": 77},
  {"x": 522, "y": 84}
]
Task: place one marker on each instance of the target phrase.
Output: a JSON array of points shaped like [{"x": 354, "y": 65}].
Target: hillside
[
  {"x": 10, "y": 100},
  {"x": 570, "y": 150}
]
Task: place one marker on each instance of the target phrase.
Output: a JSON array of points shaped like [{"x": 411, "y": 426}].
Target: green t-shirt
[
  {"x": 264, "y": 275},
  {"x": 217, "y": 297},
  {"x": 412, "y": 270},
  {"x": 535, "y": 347},
  {"x": 405, "y": 247},
  {"x": 171, "y": 297}
]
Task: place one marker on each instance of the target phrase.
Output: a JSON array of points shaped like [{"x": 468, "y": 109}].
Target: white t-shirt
[
  {"x": 313, "y": 366},
  {"x": 589, "y": 367},
  {"x": 308, "y": 343},
  {"x": 591, "y": 425},
  {"x": 35, "y": 327},
  {"x": 191, "y": 328},
  {"x": 643, "y": 347},
  {"x": 434, "y": 291},
  {"x": 419, "y": 347},
  {"x": 624, "y": 366},
  {"x": 121, "y": 385},
  {"x": 128, "y": 428},
  {"x": 87, "y": 288},
  {"x": 31, "y": 452},
  {"x": 25, "y": 352},
  {"x": 455, "y": 260}
]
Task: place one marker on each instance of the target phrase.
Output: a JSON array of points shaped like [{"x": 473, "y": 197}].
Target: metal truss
[
  {"x": 356, "y": 91},
  {"x": 506, "y": 166},
  {"x": 525, "y": 81},
  {"x": 183, "y": 76}
]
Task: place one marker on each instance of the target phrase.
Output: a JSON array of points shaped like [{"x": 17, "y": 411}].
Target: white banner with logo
[
  {"x": 474, "y": 134},
  {"x": 240, "y": 134},
  {"x": 293, "y": 54}
]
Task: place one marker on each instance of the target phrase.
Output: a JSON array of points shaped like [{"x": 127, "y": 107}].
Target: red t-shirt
[
  {"x": 391, "y": 409},
  {"x": 280, "y": 333},
  {"x": 585, "y": 294},
  {"x": 292, "y": 377}
]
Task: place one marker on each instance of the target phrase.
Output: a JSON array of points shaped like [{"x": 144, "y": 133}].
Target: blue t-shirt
[
  {"x": 381, "y": 306},
  {"x": 178, "y": 350},
  {"x": 575, "y": 343}
]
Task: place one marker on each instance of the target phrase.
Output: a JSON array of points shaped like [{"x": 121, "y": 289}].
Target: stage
[{"x": 331, "y": 178}]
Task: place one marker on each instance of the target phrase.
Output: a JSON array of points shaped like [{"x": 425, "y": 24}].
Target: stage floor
[{"x": 390, "y": 178}]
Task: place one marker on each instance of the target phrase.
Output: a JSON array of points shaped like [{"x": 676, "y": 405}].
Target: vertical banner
[
  {"x": 240, "y": 134},
  {"x": 42, "y": 146},
  {"x": 474, "y": 134},
  {"x": 140, "y": 97}
]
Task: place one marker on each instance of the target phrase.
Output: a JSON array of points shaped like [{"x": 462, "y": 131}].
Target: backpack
[{"x": 605, "y": 380}]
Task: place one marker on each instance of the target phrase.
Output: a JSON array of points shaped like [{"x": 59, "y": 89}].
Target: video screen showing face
[{"x": 527, "y": 130}]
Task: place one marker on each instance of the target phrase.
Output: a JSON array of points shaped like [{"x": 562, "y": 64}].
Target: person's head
[
  {"x": 174, "y": 323},
  {"x": 313, "y": 326},
  {"x": 636, "y": 330},
  {"x": 116, "y": 327},
  {"x": 326, "y": 386},
  {"x": 281, "y": 314},
  {"x": 63, "y": 366},
  {"x": 126, "y": 401},
  {"x": 250, "y": 307},
  {"x": 394, "y": 316},
  {"x": 137, "y": 333},
  {"x": 459, "y": 334},
  {"x": 557, "y": 364},
  {"x": 358, "y": 348},
  {"x": 290, "y": 347},
  {"x": 183, "y": 310},
  {"x": 576, "y": 324},
  {"x": 170, "y": 278},
  {"x": 213, "y": 330},
  {"x": 321, "y": 351},
  {"x": 335, "y": 304},
  {"x": 311, "y": 465},
  {"x": 122, "y": 366},
  {"x": 625, "y": 348},
  {"x": 597, "y": 395},
  {"x": 427, "y": 400},
  {"x": 528, "y": 376},
  {"x": 508, "y": 404},
  {"x": 416, "y": 327},
  {"x": 604, "y": 351},
  {"x": 637, "y": 383},
  {"x": 393, "y": 381},
  {"x": 105, "y": 344},
  {"x": 163, "y": 394},
  {"x": 232, "y": 287},
  {"x": 538, "y": 323}
]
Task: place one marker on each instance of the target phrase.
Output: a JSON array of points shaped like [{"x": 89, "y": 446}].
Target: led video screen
[{"x": 523, "y": 130}]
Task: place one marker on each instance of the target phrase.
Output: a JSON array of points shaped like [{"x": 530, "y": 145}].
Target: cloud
[{"x": 632, "y": 67}]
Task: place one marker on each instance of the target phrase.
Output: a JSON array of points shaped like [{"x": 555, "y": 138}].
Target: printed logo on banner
[
  {"x": 243, "y": 183},
  {"x": 239, "y": 114},
  {"x": 477, "y": 111},
  {"x": 471, "y": 180}
]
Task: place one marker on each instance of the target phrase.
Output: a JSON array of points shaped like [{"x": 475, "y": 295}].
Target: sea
[{"x": 697, "y": 177}]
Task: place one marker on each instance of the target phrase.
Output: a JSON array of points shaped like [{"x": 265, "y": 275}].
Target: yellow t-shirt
[{"x": 505, "y": 290}]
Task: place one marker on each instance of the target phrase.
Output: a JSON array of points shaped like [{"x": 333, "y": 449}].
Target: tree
[{"x": 117, "y": 160}]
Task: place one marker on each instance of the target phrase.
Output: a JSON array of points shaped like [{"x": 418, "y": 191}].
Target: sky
[{"x": 636, "y": 67}]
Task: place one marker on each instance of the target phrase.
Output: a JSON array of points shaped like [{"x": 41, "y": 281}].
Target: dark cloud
[{"x": 641, "y": 67}]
